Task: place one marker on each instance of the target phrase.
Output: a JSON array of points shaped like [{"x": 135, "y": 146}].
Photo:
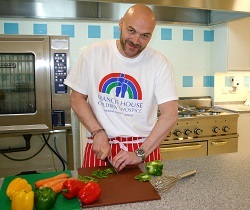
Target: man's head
[{"x": 136, "y": 27}]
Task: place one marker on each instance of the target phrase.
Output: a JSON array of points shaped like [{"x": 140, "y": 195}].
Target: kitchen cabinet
[
  {"x": 183, "y": 150},
  {"x": 243, "y": 130},
  {"x": 209, "y": 146},
  {"x": 230, "y": 50},
  {"x": 239, "y": 45}
]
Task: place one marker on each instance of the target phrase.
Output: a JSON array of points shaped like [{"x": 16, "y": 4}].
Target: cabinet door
[
  {"x": 223, "y": 145},
  {"x": 239, "y": 45},
  {"x": 243, "y": 130},
  {"x": 183, "y": 150}
]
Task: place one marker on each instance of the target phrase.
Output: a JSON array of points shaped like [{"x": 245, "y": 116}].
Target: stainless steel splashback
[
  {"x": 202, "y": 12},
  {"x": 199, "y": 101}
]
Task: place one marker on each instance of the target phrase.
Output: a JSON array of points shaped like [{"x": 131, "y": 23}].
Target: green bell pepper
[
  {"x": 45, "y": 198},
  {"x": 154, "y": 168},
  {"x": 143, "y": 177},
  {"x": 102, "y": 173}
]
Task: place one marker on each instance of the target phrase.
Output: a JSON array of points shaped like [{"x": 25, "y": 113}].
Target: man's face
[{"x": 135, "y": 35}]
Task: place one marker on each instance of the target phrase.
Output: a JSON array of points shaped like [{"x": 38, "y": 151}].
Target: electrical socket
[{"x": 236, "y": 81}]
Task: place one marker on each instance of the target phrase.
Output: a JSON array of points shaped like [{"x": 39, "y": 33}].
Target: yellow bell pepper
[
  {"x": 22, "y": 200},
  {"x": 17, "y": 184}
]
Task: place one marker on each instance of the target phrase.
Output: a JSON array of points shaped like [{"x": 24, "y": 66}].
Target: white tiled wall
[{"x": 190, "y": 58}]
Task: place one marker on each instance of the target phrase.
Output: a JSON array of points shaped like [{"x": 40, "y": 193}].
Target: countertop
[
  {"x": 238, "y": 107},
  {"x": 221, "y": 182}
]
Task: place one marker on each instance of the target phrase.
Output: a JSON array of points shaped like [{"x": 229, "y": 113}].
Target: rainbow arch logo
[{"x": 122, "y": 84}]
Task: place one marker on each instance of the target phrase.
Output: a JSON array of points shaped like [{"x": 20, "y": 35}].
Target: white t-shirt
[{"x": 124, "y": 93}]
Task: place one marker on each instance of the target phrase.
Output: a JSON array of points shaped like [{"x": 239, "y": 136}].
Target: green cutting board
[{"x": 62, "y": 203}]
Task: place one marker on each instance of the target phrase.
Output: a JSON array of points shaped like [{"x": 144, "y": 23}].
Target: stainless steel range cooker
[{"x": 201, "y": 130}]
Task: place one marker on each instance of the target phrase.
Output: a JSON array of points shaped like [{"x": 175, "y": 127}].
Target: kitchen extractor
[
  {"x": 200, "y": 130},
  {"x": 33, "y": 97},
  {"x": 201, "y": 12}
]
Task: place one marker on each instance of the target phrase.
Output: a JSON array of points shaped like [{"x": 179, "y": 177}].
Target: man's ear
[{"x": 120, "y": 24}]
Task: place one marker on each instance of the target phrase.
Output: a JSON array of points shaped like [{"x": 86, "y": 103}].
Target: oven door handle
[
  {"x": 218, "y": 143},
  {"x": 178, "y": 148}
]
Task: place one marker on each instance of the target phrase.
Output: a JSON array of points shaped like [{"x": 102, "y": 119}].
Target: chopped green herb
[
  {"x": 96, "y": 174},
  {"x": 87, "y": 178}
]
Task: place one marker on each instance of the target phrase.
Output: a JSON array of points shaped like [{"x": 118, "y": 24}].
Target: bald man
[{"x": 117, "y": 88}]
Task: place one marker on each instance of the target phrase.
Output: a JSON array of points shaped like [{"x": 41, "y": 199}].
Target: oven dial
[
  {"x": 187, "y": 132},
  {"x": 169, "y": 134},
  {"x": 225, "y": 128},
  {"x": 177, "y": 132},
  {"x": 216, "y": 129},
  {"x": 197, "y": 131}
]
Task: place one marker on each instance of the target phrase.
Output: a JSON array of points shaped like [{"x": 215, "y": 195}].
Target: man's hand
[
  {"x": 101, "y": 145},
  {"x": 124, "y": 158}
]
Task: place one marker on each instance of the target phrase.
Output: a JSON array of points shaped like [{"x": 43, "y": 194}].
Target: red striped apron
[{"x": 117, "y": 144}]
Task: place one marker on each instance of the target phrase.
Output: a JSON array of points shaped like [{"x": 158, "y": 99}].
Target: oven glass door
[
  {"x": 25, "y": 89},
  {"x": 17, "y": 83}
]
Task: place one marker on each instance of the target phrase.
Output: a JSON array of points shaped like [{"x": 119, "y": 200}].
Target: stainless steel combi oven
[{"x": 33, "y": 97}]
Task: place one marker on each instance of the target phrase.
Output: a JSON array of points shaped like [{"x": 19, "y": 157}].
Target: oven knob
[
  {"x": 187, "y": 132},
  {"x": 225, "y": 128},
  {"x": 177, "y": 132},
  {"x": 197, "y": 131},
  {"x": 169, "y": 134},
  {"x": 216, "y": 129}
]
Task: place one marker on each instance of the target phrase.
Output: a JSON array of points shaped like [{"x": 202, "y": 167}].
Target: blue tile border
[
  {"x": 40, "y": 29},
  {"x": 228, "y": 81},
  {"x": 11, "y": 28},
  {"x": 247, "y": 81},
  {"x": 94, "y": 31},
  {"x": 68, "y": 30},
  {"x": 187, "y": 81},
  {"x": 208, "y": 81},
  {"x": 166, "y": 34},
  {"x": 188, "y": 35},
  {"x": 208, "y": 35},
  {"x": 116, "y": 32}
]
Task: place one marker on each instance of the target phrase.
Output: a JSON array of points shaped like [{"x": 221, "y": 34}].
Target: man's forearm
[
  {"x": 162, "y": 127},
  {"x": 84, "y": 112}
]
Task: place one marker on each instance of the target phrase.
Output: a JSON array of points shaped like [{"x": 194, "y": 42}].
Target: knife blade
[{"x": 110, "y": 165}]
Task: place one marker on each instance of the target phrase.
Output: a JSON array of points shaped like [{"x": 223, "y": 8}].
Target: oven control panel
[
  {"x": 195, "y": 128},
  {"x": 60, "y": 72}
]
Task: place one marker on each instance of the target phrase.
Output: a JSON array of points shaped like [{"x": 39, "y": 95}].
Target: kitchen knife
[{"x": 110, "y": 165}]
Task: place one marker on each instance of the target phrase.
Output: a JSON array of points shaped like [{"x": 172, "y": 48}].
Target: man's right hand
[{"x": 101, "y": 146}]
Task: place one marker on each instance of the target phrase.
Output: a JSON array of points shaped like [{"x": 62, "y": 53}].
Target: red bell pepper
[
  {"x": 89, "y": 193},
  {"x": 71, "y": 188}
]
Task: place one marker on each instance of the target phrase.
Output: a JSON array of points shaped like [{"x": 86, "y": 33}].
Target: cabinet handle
[
  {"x": 218, "y": 143},
  {"x": 178, "y": 148}
]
